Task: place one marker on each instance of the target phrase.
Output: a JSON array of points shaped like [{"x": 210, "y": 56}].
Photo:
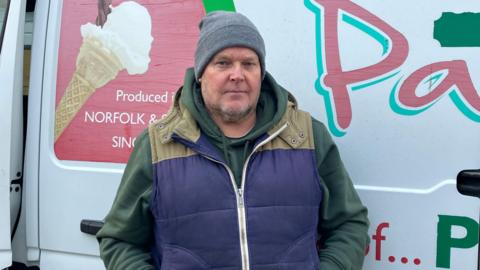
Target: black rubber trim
[{"x": 468, "y": 183}]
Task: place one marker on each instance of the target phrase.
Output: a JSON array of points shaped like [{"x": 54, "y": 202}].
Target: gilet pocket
[
  {"x": 302, "y": 254},
  {"x": 179, "y": 258}
]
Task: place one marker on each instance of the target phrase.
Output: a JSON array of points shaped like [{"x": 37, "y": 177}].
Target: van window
[{"x": 3, "y": 19}]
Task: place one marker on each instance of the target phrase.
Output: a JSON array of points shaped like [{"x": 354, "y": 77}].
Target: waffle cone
[{"x": 95, "y": 67}]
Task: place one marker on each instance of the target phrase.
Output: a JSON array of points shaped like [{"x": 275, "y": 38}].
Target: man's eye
[
  {"x": 222, "y": 63},
  {"x": 249, "y": 64}
]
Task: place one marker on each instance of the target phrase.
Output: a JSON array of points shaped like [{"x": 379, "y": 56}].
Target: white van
[{"x": 396, "y": 82}]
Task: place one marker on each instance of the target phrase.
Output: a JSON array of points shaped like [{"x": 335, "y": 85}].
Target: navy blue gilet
[{"x": 203, "y": 221}]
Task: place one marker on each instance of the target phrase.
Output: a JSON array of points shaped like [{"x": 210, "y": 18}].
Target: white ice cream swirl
[{"x": 126, "y": 34}]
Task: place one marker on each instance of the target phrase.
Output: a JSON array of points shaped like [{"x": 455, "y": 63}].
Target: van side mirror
[{"x": 468, "y": 183}]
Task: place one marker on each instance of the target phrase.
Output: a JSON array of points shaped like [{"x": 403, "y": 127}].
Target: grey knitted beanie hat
[{"x": 220, "y": 30}]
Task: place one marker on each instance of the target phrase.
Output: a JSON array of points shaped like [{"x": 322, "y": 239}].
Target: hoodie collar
[
  {"x": 181, "y": 122},
  {"x": 270, "y": 109}
]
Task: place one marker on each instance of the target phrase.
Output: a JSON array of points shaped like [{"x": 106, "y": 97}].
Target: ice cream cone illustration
[
  {"x": 123, "y": 42},
  {"x": 95, "y": 68}
]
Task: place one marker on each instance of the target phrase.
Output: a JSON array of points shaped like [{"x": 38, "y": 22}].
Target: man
[{"x": 241, "y": 178}]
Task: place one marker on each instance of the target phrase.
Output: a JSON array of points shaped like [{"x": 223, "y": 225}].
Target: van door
[
  {"x": 11, "y": 130},
  {"x": 88, "y": 120}
]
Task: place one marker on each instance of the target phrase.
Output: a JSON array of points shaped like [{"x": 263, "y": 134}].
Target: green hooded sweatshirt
[
  {"x": 127, "y": 235},
  {"x": 271, "y": 106}
]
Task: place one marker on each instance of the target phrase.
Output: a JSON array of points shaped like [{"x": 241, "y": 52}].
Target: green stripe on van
[{"x": 213, "y": 5}]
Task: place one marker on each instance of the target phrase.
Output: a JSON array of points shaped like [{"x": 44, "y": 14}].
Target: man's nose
[{"x": 237, "y": 72}]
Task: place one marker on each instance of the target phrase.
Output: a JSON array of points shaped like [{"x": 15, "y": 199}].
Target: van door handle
[
  {"x": 91, "y": 226},
  {"x": 468, "y": 183}
]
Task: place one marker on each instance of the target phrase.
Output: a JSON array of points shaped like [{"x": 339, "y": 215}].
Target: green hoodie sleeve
[
  {"x": 343, "y": 225},
  {"x": 127, "y": 235}
]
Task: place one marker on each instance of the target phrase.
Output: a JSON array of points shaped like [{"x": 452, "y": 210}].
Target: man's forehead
[{"x": 236, "y": 52}]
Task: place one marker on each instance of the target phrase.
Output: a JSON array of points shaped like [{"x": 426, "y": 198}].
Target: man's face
[{"x": 231, "y": 84}]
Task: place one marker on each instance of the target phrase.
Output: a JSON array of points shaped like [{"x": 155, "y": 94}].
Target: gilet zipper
[{"x": 239, "y": 194}]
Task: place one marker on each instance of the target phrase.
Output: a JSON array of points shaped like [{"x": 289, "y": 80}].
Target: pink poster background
[{"x": 175, "y": 32}]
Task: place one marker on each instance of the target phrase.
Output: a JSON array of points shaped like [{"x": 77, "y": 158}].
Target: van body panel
[
  {"x": 403, "y": 159},
  {"x": 32, "y": 145},
  {"x": 11, "y": 109},
  {"x": 88, "y": 186},
  {"x": 62, "y": 260},
  {"x": 407, "y": 123}
]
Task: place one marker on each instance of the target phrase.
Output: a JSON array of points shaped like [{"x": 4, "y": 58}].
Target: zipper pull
[{"x": 240, "y": 195}]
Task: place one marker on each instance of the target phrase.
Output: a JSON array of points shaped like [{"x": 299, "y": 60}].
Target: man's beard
[{"x": 230, "y": 115}]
